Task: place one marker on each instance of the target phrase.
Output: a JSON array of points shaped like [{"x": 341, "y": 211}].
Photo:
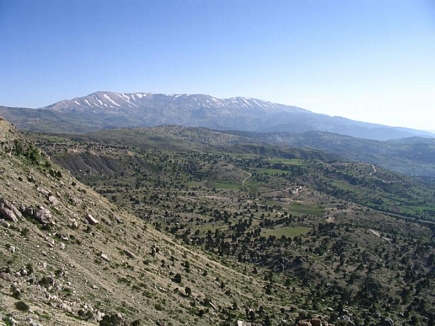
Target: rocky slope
[{"x": 69, "y": 257}]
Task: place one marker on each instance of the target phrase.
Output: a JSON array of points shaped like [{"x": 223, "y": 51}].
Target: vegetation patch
[{"x": 286, "y": 231}]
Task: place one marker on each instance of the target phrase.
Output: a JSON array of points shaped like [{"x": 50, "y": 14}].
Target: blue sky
[{"x": 369, "y": 60}]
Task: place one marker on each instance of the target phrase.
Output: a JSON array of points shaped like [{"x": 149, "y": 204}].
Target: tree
[{"x": 177, "y": 278}]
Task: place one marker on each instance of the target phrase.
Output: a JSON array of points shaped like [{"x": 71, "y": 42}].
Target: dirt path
[
  {"x": 246, "y": 179},
  {"x": 374, "y": 171}
]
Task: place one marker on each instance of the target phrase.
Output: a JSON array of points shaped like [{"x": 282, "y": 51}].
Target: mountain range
[{"x": 108, "y": 110}]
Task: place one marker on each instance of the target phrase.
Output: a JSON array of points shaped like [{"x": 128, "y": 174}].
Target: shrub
[
  {"x": 22, "y": 306},
  {"x": 177, "y": 278},
  {"x": 25, "y": 232}
]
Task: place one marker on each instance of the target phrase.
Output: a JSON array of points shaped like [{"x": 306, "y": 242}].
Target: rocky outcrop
[
  {"x": 43, "y": 215},
  {"x": 9, "y": 211}
]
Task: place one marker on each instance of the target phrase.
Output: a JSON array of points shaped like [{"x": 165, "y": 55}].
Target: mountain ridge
[{"x": 109, "y": 110}]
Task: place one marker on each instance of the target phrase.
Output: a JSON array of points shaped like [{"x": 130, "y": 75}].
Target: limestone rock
[
  {"x": 53, "y": 201},
  {"x": 6, "y": 277},
  {"x": 92, "y": 220},
  {"x": 8, "y": 213},
  {"x": 43, "y": 215},
  {"x": 12, "y": 208},
  {"x": 5, "y": 224},
  {"x": 118, "y": 219},
  {"x": 104, "y": 257},
  {"x": 43, "y": 191},
  {"x": 129, "y": 254},
  {"x": 73, "y": 224}
]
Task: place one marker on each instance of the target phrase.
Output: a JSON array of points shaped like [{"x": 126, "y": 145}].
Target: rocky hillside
[
  {"x": 254, "y": 236},
  {"x": 69, "y": 257},
  {"x": 108, "y": 110}
]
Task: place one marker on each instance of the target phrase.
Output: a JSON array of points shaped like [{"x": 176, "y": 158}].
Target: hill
[
  {"x": 70, "y": 257},
  {"x": 327, "y": 235},
  {"x": 410, "y": 156}
]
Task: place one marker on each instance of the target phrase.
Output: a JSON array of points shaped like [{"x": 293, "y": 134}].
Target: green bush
[{"x": 22, "y": 306}]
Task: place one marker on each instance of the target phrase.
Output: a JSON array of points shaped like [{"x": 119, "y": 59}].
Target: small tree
[{"x": 177, "y": 278}]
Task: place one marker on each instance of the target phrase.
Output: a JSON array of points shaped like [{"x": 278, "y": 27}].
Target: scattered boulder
[
  {"x": 43, "y": 215},
  {"x": 92, "y": 220},
  {"x": 5, "y": 224},
  {"x": 129, "y": 254},
  {"x": 6, "y": 277},
  {"x": 53, "y": 201},
  {"x": 98, "y": 316},
  {"x": 75, "y": 200},
  {"x": 244, "y": 323},
  {"x": 43, "y": 191},
  {"x": 118, "y": 219},
  {"x": 104, "y": 257},
  {"x": 73, "y": 224}
]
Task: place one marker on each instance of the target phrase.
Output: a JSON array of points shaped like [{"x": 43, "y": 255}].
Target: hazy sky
[{"x": 370, "y": 60}]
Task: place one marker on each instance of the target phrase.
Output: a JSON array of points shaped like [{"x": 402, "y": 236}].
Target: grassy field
[
  {"x": 227, "y": 185},
  {"x": 286, "y": 231},
  {"x": 302, "y": 208}
]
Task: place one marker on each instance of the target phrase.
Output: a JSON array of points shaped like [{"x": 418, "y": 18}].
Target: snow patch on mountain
[{"x": 107, "y": 97}]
